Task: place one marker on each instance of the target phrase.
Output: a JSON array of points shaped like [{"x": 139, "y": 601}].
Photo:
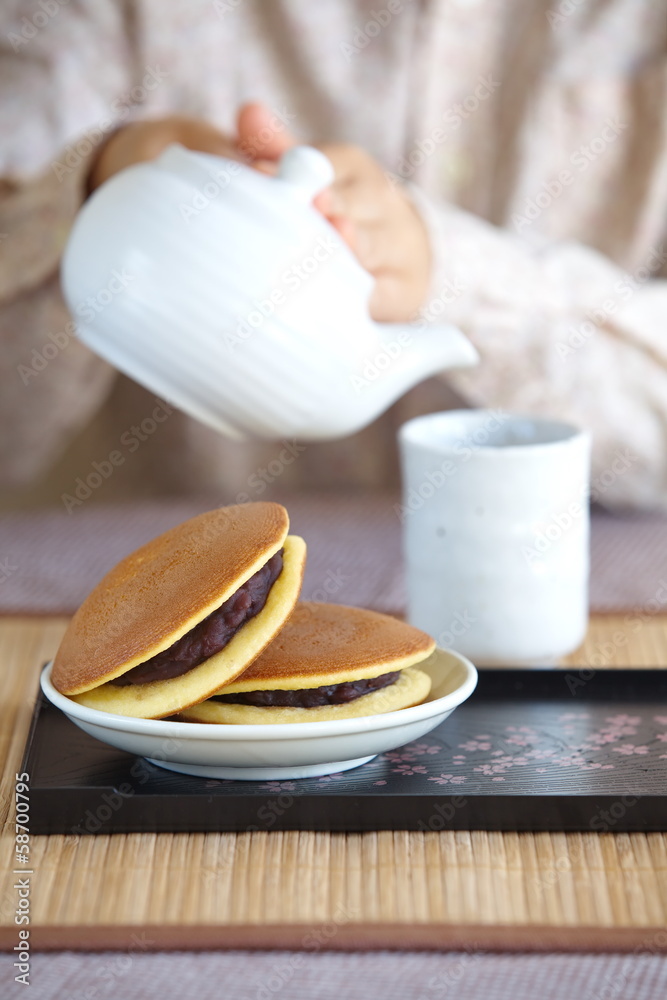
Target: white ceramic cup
[{"x": 496, "y": 533}]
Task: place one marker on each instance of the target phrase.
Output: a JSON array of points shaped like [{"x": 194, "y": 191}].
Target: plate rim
[{"x": 270, "y": 731}]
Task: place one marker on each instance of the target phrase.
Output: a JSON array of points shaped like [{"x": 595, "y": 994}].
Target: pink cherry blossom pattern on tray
[{"x": 575, "y": 746}]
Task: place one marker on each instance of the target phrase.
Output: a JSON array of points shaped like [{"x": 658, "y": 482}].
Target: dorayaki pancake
[
  {"x": 319, "y": 655},
  {"x": 158, "y": 594},
  {"x": 411, "y": 688}
]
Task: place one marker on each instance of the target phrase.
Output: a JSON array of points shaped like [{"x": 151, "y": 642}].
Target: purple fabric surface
[
  {"x": 50, "y": 560},
  {"x": 331, "y": 976}
]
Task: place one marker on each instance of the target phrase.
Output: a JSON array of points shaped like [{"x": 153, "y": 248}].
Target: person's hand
[
  {"x": 374, "y": 217},
  {"x": 261, "y": 140},
  {"x": 383, "y": 228}
]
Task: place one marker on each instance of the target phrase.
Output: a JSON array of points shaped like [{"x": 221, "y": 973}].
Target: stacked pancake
[
  {"x": 184, "y": 614},
  {"x": 203, "y": 623},
  {"x": 328, "y": 662}
]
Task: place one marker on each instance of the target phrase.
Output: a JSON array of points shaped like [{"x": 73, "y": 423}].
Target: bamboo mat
[{"x": 447, "y": 890}]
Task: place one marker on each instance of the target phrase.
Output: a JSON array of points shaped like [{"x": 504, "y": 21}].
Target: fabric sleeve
[
  {"x": 63, "y": 70},
  {"x": 564, "y": 332}
]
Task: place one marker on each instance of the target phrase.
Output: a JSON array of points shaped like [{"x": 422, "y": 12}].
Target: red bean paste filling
[
  {"x": 210, "y": 635},
  {"x": 330, "y": 694}
]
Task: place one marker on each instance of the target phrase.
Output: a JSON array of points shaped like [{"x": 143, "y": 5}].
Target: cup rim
[{"x": 412, "y": 432}]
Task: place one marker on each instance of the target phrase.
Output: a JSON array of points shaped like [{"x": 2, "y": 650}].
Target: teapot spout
[{"x": 408, "y": 354}]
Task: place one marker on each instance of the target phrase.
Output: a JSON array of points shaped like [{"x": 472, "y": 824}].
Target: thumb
[{"x": 261, "y": 134}]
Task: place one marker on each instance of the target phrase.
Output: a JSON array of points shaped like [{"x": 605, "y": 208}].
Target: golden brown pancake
[
  {"x": 157, "y": 594},
  {"x": 324, "y": 645},
  {"x": 411, "y": 688}
]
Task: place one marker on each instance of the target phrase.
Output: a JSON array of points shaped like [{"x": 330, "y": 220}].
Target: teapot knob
[{"x": 309, "y": 170}]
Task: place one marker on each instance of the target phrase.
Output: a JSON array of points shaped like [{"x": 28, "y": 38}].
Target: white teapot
[{"x": 226, "y": 293}]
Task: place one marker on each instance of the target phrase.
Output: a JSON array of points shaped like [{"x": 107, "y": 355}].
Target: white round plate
[{"x": 294, "y": 750}]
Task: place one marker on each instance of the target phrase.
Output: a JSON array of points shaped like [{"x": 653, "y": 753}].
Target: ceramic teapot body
[{"x": 226, "y": 293}]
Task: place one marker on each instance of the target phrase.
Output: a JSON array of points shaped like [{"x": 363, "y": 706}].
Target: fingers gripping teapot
[{"x": 225, "y": 292}]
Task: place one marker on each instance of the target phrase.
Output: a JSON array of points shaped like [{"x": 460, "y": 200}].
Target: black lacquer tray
[{"x": 544, "y": 749}]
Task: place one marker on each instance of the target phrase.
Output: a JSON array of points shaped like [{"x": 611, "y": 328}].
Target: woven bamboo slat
[{"x": 580, "y": 891}]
